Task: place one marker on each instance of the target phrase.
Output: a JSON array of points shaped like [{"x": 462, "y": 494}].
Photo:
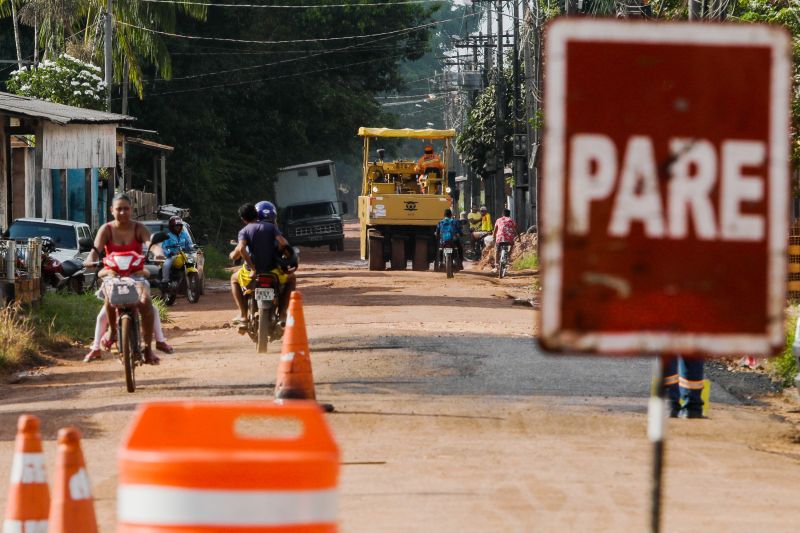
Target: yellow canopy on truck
[{"x": 407, "y": 133}]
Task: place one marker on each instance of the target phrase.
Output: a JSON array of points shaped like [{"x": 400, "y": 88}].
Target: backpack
[{"x": 446, "y": 231}]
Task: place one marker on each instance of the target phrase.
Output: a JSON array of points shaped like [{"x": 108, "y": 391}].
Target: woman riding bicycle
[{"x": 125, "y": 235}]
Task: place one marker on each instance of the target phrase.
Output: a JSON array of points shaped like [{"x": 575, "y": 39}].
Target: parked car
[
  {"x": 66, "y": 235},
  {"x": 155, "y": 226}
]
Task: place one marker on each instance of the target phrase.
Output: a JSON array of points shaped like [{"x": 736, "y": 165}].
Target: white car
[{"x": 66, "y": 235}]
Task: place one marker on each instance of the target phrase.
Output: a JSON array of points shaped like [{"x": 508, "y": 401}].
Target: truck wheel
[
  {"x": 340, "y": 245},
  {"x": 376, "y": 260},
  {"x": 398, "y": 254},
  {"x": 332, "y": 247},
  {"x": 420, "y": 259}
]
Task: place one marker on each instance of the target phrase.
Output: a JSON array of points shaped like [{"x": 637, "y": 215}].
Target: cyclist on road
[{"x": 504, "y": 232}]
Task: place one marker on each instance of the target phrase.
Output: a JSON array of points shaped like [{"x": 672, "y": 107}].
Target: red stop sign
[{"x": 666, "y": 187}]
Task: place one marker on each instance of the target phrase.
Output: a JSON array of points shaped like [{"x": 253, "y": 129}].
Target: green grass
[
  {"x": 784, "y": 365},
  {"x": 528, "y": 261},
  {"x": 68, "y": 317},
  {"x": 216, "y": 262}
]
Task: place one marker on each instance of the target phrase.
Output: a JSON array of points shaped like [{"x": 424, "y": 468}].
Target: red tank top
[{"x": 133, "y": 246}]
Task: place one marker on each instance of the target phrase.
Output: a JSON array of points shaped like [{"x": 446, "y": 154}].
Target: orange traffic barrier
[
  {"x": 221, "y": 467},
  {"x": 295, "y": 380},
  {"x": 28, "y": 495},
  {"x": 72, "y": 507}
]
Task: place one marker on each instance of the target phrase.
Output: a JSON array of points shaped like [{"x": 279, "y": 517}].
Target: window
[
  {"x": 298, "y": 212},
  {"x": 63, "y": 236},
  {"x": 323, "y": 170}
]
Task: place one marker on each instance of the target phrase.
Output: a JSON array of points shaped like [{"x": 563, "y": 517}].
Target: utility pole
[
  {"x": 533, "y": 84},
  {"x": 488, "y": 191},
  {"x": 108, "y": 67},
  {"x": 520, "y": 174},
  {"x": 499, "y": 188}
]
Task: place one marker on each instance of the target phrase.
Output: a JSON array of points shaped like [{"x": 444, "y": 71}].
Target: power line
[
  {"x": 291, "y": 41},
  {"x": 307, "y": 6},
  {"x": 352, "y": 48},
  {"x": 260, "y": 80}
]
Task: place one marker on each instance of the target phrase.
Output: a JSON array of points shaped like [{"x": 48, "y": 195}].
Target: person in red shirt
[{"x": 504, "y": 232}]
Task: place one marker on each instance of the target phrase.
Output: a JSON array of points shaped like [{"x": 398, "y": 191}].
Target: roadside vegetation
[
  {"x": 783, "y": 367},
  {"x": 216, "y": 263},
  {"x": 65, "y": 318},
  {"x": 527, "y": 261},
  {"x": 17, "y": 337}
]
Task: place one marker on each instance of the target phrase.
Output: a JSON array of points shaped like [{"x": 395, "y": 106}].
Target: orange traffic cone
[
  {"x": 295, "y": 380},
  {"x": 72, "y": 508},
  {"x": 28, "y": 496}
]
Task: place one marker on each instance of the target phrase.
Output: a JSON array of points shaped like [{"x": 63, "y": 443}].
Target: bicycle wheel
[{"x": 127, "y": 338}]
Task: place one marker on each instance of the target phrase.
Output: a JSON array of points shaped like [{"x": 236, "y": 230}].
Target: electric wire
[
  {"x": 260, "y": 80},
  {"x": 290, "y": 41},
  {"x": 301, "y": 6}
]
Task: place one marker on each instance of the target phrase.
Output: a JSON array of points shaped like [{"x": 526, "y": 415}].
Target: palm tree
[
  {"x": 135, "y": 48},
  {"x": 76, "y": 26}
]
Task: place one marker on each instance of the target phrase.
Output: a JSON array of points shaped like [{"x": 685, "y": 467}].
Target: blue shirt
[
  {"x": 176, "y": 243},
  {"x": 260, "y": 238}
]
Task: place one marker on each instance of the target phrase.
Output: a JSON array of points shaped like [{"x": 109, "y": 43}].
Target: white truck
[{"x": 309, "y": 210}]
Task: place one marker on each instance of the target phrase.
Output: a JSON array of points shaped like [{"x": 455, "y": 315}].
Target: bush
[
  {"x": 527, "y": 261},
  {"x": 66, "y": 80},
  {"x": 17, "y": 336},
  {"x": 216, "y": 263},
  {"x": 784, "y": 365}
]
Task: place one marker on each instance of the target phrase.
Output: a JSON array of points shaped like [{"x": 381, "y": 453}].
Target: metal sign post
[
  {"x": 656, "y": 423},
  {"x": 666, "y": 161}
]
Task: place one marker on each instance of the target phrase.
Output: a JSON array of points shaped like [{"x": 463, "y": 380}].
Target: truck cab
[{"x": 314, "y": 224}]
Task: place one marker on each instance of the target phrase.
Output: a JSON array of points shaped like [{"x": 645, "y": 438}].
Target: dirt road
[{"x": 447, "y": 415}]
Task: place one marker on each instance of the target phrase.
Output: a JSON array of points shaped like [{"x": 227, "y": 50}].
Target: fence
[
  {"x": 145, "y": 205},
  {"x": 21, "y": 271}
]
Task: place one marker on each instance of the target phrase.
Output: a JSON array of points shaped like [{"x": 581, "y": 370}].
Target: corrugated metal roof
[{"x": 13, "y": 104}]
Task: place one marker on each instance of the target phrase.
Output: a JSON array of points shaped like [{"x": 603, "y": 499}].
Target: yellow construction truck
[{"x": 402, "y": 201}]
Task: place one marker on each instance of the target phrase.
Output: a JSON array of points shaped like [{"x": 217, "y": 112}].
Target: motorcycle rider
[
  {"x": 267, "y": 212},
  {"x": 178, "y": 239},
  {"x": 124, "y": 235},
  {"x": 258, "y": 242},
  {"x": 448, "y": 230}
]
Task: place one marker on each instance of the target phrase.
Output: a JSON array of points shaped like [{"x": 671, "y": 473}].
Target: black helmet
[{"x": 48, "y": 244}]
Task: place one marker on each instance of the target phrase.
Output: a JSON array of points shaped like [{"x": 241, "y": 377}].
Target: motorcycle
[
  {"x": 473, "y": 249},
  {"x": 263, "y": 307},
  {"x": 184, "y": 278},
  {"x": 502, "y": 267},
  {"x": 448, "y": 258},
  {"x": 60, "y": 275},
  {"x": 124, "y": 294}
]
